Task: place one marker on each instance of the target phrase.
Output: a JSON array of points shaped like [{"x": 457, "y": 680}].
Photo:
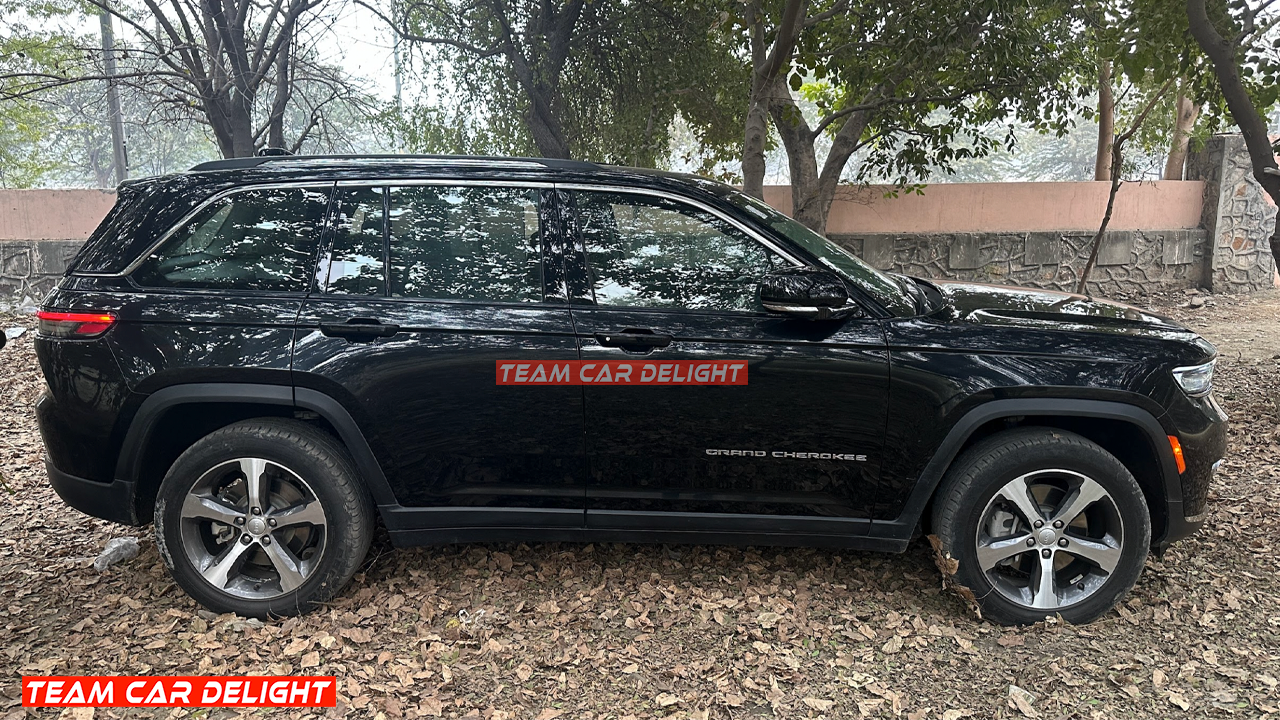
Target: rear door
[
  {"x": 217, "y": 297},
  {"x": 423, "y": 289},
  {"x": 659, "y": 280}
]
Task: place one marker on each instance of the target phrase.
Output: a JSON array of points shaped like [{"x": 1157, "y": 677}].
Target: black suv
[{"x": 265, "y": 355}]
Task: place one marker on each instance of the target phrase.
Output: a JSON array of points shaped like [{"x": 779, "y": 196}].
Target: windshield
[{"x": 886, "y": 289}]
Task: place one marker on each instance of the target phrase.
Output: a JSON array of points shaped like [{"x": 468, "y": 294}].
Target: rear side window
[
  {"x": 263, "y": 239},
  {"x": 465, "y": 243}
]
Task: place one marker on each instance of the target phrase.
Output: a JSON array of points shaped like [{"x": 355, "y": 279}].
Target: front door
[
  {"x": 424, "y": 288},
  {"x": 794, "y": 450}
]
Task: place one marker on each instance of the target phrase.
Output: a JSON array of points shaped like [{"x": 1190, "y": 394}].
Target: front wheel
[
  {"x": 263, "y": 518},
  {"x": 1043, "y": 522}
]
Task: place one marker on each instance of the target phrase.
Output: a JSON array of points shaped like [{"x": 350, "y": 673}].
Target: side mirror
[{"x": 807, "y": 293}]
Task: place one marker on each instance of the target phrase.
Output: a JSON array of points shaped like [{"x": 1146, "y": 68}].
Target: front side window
[
  {"x": 262, "y": 239},
  {"x": 645, "y": 251},
  {"x": 465, "y": 243},
  {"x": 885, "y": 289}
]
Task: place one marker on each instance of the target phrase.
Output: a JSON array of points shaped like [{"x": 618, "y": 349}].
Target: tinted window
[
  {"x": 252, "y": 240},
  {"x": 467, "y": 243},
  {"x": 356, "y": 263},
  {"x": 650, "y": 252}
]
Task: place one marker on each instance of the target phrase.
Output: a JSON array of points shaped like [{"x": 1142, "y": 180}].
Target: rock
[
  {"x": 117, "y": 551},
  {"x": 14, "y": 332},
  {"x": 1196, "y": 302}
]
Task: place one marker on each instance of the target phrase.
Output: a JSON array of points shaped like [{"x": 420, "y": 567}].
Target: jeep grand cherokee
[{"x": 265, "y": 356}]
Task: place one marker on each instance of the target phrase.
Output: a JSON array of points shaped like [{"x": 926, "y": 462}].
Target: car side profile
[{"x": 265, "y": 357}]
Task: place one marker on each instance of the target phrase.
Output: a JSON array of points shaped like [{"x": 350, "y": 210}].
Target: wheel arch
[
  {"x": 172, "y": 418},
  {"x": 1115, "y": 426}
]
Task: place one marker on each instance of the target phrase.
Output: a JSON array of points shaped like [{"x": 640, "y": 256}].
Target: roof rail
[{"x": 431, "y": 160}]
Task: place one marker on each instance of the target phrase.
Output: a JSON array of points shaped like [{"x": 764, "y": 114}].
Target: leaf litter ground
[{"x": 508, "y": 631}]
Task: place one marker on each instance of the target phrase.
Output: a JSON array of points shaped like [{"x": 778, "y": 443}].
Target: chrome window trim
[
  {"x": 377, "y": 182},
  {"x": 167, "y": 234},
  {"x": 676, "y": 197}
]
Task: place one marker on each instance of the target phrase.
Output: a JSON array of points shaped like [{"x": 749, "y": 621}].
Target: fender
[
  {"x": 904, "y": 525},
  {"x": 129, "y": 464}
]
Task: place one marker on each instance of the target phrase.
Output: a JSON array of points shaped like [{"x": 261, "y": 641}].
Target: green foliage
[
  {"x": 937, "y": 80},
  {"x": 25, "y": 123},
  {"x": 614, "y": 84}
]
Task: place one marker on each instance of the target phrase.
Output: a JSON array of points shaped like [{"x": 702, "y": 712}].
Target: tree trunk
[
  {"x": 1224, "y": 56},
  {"x": 1184, "y": 120},
  {"x": 753, "y": 143},
  {"x": 547, "y": 134},
  {"x": 284, "y": 87},
  {"x": 767, "y": 70},
  {"x": 1106, "y": 122},
  {"x": 1116, "y": 170},
  {"x": 1116, "y": 167}
]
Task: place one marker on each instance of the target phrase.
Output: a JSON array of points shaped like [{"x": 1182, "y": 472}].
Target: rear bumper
[{"x": 110, "y": 501}]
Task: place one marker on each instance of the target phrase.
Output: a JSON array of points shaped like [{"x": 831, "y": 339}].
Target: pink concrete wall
[
  {"x": 52, "y": 214},
  {"x": 1015, "y": 207},
  {"x": 959, "y": 207}
]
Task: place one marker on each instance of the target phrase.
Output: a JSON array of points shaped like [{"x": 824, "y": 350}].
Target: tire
[
  {"x": 1095, "y": 557},
  {"x": 309, "y": 534}
]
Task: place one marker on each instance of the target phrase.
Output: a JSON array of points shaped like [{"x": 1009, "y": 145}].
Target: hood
[{"x": 999, "y": 304}]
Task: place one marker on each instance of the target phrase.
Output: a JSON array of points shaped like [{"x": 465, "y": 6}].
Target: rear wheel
[
  {"x": 1043, "y": 522},
  {"x": 263, "y": 518}
]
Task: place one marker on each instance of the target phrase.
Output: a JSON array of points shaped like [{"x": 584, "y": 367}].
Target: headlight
[{"x": 1196, "y": 380}]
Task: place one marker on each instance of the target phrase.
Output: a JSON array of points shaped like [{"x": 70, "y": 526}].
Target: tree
[
  {"x": 246, "y": 68},
  {"x": 770, "y": 60},
  {"x": 1106, "y": 122},
  {"x": 1115, "y": 173},
  {"x": 600, "y": 80},
  {"x": 1236, "y": 39},
  {"x": 1142, "y": 45},
  {"x": 905, "y": 84},
  {"x": 1185, "y": 112},
  {"x": 25, "y": 123}
]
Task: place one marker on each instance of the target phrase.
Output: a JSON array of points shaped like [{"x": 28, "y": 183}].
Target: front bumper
[
  {"x": 1201, "y": 428},
  {"x": 112, "y": 501}
]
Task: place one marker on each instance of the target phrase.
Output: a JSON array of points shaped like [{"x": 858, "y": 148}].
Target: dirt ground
[{"x": 549, "y": 630}]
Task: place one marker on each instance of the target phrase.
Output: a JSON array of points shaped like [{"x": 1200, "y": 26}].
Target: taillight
[{"x": 55, "y": 323}]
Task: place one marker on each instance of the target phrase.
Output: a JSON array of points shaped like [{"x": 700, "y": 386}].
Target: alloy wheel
[
  {"x": 1049, "y": 539},
  {"x": 253, "y": 528}
]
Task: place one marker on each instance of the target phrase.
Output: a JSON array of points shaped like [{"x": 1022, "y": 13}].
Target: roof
[{"x": 420, "y": 160}]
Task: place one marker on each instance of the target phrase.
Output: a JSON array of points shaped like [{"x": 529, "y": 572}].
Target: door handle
[
  {"x": 640, "y": 339},
  {"x": 359, "y": 329}
]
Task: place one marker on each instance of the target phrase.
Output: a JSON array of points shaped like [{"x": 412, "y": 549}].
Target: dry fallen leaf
[{"x": 818, "y": 704}]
